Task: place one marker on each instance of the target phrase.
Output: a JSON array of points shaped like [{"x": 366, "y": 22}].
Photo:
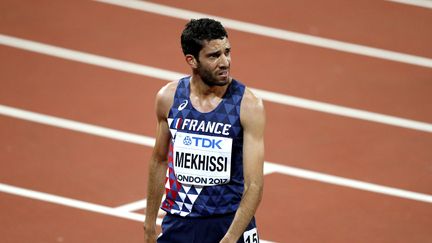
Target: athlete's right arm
[{"x": 159, "y": 161}]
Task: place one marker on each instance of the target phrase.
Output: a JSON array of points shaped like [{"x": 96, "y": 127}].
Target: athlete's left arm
[{"x": 252, "y": 116}]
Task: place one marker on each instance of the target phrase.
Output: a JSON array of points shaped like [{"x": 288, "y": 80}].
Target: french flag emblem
[{"x": 177, "y": 123}]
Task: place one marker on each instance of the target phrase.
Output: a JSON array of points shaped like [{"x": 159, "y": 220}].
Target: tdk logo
[{"x": 202, "y": 142}]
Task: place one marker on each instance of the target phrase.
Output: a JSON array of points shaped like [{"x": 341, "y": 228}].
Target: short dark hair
[{"x": 199, "y": 30}]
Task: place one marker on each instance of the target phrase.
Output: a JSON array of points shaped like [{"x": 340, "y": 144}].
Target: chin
[
  {"x": 225, "y": 80},
  {"x": 222, "y": 82},
  {"x": 217, "y": 82}
]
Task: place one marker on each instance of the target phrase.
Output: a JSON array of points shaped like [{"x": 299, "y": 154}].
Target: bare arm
[
  {"x": 253, "y": 121},
  {"x": 158, "y": 162}
]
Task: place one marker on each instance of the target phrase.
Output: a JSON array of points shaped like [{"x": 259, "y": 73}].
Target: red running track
[{"x": 112, "y": 173}]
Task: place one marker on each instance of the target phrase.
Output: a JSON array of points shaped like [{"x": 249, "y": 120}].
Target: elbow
[
  {"x": 159, "y": 157},
  {"x": 256, "y": 188}
]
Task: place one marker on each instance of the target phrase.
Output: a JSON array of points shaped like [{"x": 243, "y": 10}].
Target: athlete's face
[{"x": 213, "y": 64}]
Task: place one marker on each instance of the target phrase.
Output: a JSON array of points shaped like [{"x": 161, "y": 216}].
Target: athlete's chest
[
  {"x": 211, "y": 116},
  {"x": 205, "y": 103}
]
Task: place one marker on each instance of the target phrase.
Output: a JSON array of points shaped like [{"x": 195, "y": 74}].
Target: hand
[{"x": 149, "y": 234}]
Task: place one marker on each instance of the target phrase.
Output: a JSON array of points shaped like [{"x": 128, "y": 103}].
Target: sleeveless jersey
[{"x": 205, "y": 160}]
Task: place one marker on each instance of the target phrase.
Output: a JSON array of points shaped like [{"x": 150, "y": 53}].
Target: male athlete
[{"x": 209, "y": 148}]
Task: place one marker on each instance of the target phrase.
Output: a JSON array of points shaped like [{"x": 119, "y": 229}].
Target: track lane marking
[
  {"x": 69, "y": 202},
  {"x": 341, "y": 181},
  {"x": 133, "y": 206},
  {"x": 78, "y": 204},
  {"x": 417, "y": 3},
  {"x": 342, "y": 110},
  {"x": 276, "y": 33},
  {"x": 271, "y": 167},
  {"x": 76, "y": 126},
  {"x": 162, "y": 74}
]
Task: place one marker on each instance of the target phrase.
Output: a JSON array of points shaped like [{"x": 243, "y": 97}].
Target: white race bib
[{"x": 202, "y": 160}]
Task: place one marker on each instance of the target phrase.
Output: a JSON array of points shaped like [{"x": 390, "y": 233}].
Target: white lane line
[
  {"x": 76, "y": 126},
  {"x": 271, "y": 167},
  {"x": 268, "y": 169},
  {"x": 88, "y": 58},
  {"x": 133, "y": 206},
  {"x": 170, "y": 76},
  {"x": 417, "y": 3},
  {"x": 276, "y": 33},
  {"x": 342, "y": 111},
  {"x": 341, "y": 181},
  {"x": 139, "y": 205},
  {"x": 69, "y": 202}
]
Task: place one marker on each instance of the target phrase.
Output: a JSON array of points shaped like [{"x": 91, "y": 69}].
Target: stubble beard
[{"x": 210, "y": 79}]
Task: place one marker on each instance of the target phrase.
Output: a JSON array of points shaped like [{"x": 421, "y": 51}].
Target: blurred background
[{"x": 346, "y": 84}]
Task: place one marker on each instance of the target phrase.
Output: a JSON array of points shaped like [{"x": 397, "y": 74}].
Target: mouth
[{"x": 223, "y": 74}]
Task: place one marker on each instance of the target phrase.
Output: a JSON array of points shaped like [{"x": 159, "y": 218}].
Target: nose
[{"x": 224, "y": 61}]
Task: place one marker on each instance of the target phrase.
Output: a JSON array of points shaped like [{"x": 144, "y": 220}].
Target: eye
[{"x": 215, "y": 55}]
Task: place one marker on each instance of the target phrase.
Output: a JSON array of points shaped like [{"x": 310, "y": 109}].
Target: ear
[{"x": 190, "y": 59}]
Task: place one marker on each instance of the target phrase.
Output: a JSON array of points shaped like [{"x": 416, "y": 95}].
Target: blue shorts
[{"x": 177, "y": 229}]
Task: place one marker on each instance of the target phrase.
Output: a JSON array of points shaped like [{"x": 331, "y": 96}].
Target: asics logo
[{"x": 183, "y": 105}]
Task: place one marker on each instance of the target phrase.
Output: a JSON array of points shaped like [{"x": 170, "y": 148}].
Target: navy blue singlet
[{"x": 205, "y": 164}]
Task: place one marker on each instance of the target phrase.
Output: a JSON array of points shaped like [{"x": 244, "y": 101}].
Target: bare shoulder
[
  {"x": 164, "y": 98},
  {"x": 251, "y": 101},
  {"x": 252, "y": 110}
]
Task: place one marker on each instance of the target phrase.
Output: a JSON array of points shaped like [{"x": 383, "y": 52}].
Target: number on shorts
[{"x": 251, "y": 236}]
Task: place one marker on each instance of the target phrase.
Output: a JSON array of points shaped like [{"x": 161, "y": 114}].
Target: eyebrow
[{"x": 218, "y": 51}]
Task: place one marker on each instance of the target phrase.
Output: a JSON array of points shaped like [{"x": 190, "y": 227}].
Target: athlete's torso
[{"x": 205, "y": 162}]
